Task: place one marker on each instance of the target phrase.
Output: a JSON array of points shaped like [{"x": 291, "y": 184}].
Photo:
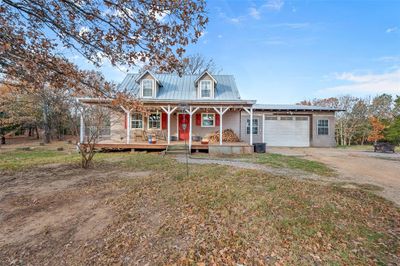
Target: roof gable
[
  {"x": 202, "y": 75},
  {"x": 140, "y": 76}
]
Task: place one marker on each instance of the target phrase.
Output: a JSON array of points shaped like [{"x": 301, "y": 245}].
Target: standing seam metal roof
[{"x": 174, "y": 87}]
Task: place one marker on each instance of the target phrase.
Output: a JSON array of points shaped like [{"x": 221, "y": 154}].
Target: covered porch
[{"x": 171, "y": 123}]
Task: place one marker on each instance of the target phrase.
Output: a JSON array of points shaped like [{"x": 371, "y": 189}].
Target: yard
[{"x": 142, "y": 208}]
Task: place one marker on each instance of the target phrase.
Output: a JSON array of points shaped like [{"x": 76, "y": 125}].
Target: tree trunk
[
  {"x": 3, "y": 140},
  {"x": 46, "y": 124},
  {"x": 37, "y": 132}
]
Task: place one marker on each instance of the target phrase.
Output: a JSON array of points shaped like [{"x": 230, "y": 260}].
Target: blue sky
[{"x": 285, "y": 51}]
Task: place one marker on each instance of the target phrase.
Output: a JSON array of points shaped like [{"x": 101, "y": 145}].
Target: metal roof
[
  {"x": 173, "y": 87},
  {"x": 294, "y": 107}
]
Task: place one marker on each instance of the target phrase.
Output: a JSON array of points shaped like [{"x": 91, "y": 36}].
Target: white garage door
[{"x": 287, "y": 131}]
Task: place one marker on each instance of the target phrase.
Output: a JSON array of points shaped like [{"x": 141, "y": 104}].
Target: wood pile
[{"x": 227, "y": 136}]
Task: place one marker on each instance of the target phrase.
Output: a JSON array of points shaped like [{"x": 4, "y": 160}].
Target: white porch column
[
  {"x": 250, "y": 112},
  {"x": 128, "y": 124},
  {"x": 221, "y": 111},
  {"x": 82, "y": 129},
  {"x": 169, "y": 112},
  {"x": 263, "y": 128},
  {"x": 251, "y": 126},
  {"x": 191, "y": 112}
]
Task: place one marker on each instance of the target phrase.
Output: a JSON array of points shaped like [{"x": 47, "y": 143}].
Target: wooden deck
[{"x": 162, "y": 145}]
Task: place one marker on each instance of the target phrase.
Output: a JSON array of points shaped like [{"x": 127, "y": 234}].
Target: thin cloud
[
  {"x": 254, "y": 13},
  {"x": 275, "y": 5},
  {"x": 389, "y": 59},
  {"x": 391, "y": 30},
  {"x": 388, "y": 82},
  {"x": 300, "y": 25}
]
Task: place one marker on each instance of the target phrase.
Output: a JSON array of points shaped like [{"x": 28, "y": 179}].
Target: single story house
[{"x": 191, "y": 107}]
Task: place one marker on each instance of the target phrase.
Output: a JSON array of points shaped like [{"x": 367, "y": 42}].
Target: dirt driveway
[{"x": 363, "y": 167}]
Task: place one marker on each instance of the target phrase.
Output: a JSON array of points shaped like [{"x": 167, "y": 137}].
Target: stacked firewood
[{"x": 227, "y": 136}]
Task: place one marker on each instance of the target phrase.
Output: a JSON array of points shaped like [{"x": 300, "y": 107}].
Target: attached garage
[{"x": 287, "y": 131}]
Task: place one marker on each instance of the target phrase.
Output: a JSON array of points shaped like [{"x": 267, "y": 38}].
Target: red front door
[{"x": 183, "y": 133}]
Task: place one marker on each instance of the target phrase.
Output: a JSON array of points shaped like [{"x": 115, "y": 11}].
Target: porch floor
[{"x": 162, "y": 145}]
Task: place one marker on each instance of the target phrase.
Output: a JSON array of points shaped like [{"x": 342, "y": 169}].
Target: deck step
[{"x": 177, "y": 149}]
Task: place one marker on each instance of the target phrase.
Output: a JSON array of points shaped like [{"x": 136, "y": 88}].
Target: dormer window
[
  {"x": 205, "y": 88},
  {"x": 147, "y": 88}
]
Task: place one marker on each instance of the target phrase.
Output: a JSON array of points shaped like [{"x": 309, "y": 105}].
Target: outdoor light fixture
[{"x": 184, "y": 108}]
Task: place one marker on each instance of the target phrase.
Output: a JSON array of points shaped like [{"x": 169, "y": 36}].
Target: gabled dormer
[
  {"x": 149, "y": 85},
  {"x": 205, "y": 85}
]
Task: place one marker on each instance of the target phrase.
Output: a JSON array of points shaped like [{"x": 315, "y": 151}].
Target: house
[{"x": 190, "y": 107}]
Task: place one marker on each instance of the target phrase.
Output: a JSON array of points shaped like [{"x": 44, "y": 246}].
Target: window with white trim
[
  {"x": 147, "y": 88},
  {"x": 154, "y": 121},
  {"x": 205, "y": 88},
  {"x": 207, "y": 120},
  {"x": 323, "y": 127},
  {"x": 137, "y": 121},
  {"x": 255, "y": 126}
]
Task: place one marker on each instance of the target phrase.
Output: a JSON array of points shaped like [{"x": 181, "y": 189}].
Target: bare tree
[
  {"x": 191, "y": 65},
  {"x": 96, "y": 120}
]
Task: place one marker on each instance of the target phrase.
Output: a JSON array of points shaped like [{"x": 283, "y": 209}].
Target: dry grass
[{"x": 216, "y": 215}]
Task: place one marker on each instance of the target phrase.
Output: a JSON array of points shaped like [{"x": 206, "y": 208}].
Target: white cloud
[
  {"x": 389, "y": 59},
  {"x": 388, "y": 82},
  {"x": 254, "y": 13},
  {"x": 275, "y": 5},
  {"x": 390, "y": 30},
  {"x": 219, "y": 36},
  {"x": 299, "y": 25},
  {"x": 236, "y": 20},
  {"x": 275, "y": 41}
]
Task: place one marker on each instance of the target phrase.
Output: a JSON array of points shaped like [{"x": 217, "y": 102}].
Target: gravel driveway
[{"x": 363, "y": 167}]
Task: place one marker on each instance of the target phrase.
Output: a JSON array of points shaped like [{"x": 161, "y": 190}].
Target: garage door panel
[{"x": 287, "y": 133}]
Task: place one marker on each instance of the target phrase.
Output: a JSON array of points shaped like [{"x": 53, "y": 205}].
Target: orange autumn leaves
[{"x": 376, "y": 133}]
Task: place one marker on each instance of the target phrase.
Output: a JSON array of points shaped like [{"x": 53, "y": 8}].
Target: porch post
[
  {"x": 250, "y": 112},
  {"x": 128, "y": 126},
  {"x": 251, "y": 126},
  {"x": 82, "y": 129},
  {"x": 190, "y": 128},
  {"x": 191, "y": 112},
  {"x": 263, "y": 128},
  {"x": 169, "y": 112},
  {"x": 221, "y": 111}
]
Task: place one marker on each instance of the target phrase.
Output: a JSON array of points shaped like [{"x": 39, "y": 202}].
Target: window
[
  {"x": 207, "y": 120},
  {"x": 271, "y": 118},
  {"x": 301, "y": 118},
  {"x": 154, "y": 121},
  {"x": 323, "y": 127},
  {"x": 286, "y": 118},
  {"x": 137, "y": 120},
  {"x": 205, "y": 88},
  {"x": 147, "y": 87},
  {"x": 255, "y": 126}
]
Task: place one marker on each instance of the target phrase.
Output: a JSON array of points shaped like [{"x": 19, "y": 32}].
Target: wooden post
[
  {"x": 250, "y": 112},
  {"x": 169, "y": 112},
  {"x": 128, "y": 126},
  {"x": 221, "y": 111},
  {"x": 251, "y": 126},
  {"x": 263, "y": 128},
  {"x": 82, "y": 129},
  {"x": 191, "y": 111}
]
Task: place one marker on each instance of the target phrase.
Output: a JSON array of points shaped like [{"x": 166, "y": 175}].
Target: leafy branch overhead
[{"x": 125, "y": 32}]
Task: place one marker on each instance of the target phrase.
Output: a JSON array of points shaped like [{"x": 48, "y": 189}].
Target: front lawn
[
  {"x": 294, "y": 162},
  {"x": 142, "y": 208}
]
